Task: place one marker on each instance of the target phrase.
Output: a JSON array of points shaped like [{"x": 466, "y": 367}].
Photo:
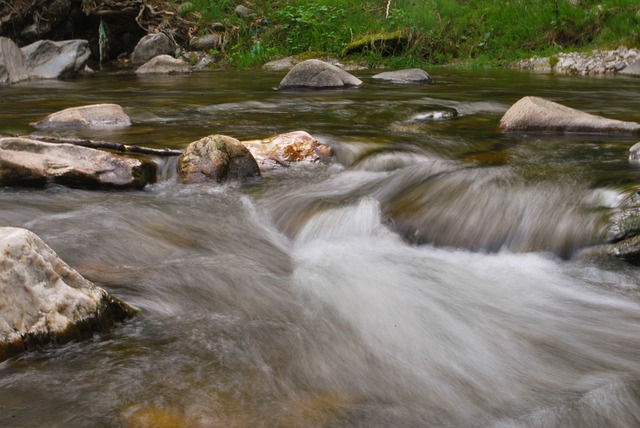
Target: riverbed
[{"x": 433, "y": 275}]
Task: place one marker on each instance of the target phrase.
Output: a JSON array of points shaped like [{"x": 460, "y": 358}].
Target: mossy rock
[{"x": 387, "y": 44}]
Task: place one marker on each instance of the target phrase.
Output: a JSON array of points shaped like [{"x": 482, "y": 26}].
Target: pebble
[{"x": 574, "y": 63}]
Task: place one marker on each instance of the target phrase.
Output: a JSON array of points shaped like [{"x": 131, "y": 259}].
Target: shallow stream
[{"x": 430, "y": 277}]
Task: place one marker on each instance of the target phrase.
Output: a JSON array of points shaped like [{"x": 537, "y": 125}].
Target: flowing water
[{"x": 431, "y": 276}]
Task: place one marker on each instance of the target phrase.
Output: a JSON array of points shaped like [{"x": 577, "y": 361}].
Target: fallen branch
[{"x": 118, "y": 147}]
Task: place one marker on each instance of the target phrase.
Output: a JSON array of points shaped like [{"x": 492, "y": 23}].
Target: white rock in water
[
  {"x": 43, "y": 299},
  {"x": 100, "y": 116},
  {"x": 534, "y": 114}
]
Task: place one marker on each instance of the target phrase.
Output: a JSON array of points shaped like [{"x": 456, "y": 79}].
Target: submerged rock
[
  {"x": 283, "y": 149},
  {"x": 32, "y": 163},
  {"x": 533, "y": 114},
  {"x": 164, "y": 64},
  {"x": 314, "y": 73},
  {"x": 43, "y": 300},
  {"x": 101, "y": 116},
  {"x": 411, "y": 75},
  {"x": 12, "y": 64},
  {"x": 152, "y": 45},
  {"x": 216, "y": 158},
  {"x": 46, "y": 59}
]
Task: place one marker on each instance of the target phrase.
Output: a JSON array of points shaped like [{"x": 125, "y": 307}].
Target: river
[{"x": 431, "y": 276}]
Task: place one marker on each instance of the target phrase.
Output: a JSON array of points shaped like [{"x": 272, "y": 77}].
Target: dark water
[{"x": 430, "y": 277}]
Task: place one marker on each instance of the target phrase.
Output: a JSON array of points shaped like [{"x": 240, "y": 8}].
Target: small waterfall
[{"x": 464, "y": 335}]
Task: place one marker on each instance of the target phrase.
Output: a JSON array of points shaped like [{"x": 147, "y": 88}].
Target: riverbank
[
  {"x": 576, "y": 63},
  {"x": 392, "y": 34}
]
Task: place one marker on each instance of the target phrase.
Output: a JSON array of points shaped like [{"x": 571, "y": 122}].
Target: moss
[{"x": 385, "y": 43}]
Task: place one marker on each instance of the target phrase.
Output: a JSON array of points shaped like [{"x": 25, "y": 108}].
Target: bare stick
[{"x": 118, "y": 147}]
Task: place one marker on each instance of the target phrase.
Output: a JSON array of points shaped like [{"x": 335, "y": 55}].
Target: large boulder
[
  {"x": 44, "y": 300},
  {"x": 533, "y": 114},
  {"x": 314, "y": 73},
  {"x": 12, "y": 65},
  {"x": 32, "y": 163},
  {"x": 632, "y": 69},
  {"x": 410, "y": 75},
  {"x": 164, "y": 64},
  {"x": 216, "y": 158},
  {"x": 283, "y": 149},
  {"x": 151, "y": 46},
  {"x": 97, "y": 116},
  {"x": 46, "y": 59}
]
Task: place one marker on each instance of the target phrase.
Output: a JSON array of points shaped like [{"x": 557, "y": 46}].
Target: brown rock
[
  {"x": 296, "y": 146},
  {"x": 216, "y": 158}
]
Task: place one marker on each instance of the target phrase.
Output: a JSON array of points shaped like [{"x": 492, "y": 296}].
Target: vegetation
[{"x": 473, "y": 32}]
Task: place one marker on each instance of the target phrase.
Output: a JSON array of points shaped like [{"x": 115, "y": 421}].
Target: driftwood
[{"x": 105, "y": 145}]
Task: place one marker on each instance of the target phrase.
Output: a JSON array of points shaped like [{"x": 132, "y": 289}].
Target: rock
[
  {"x": 533, "y": 114},
  {"x": 45, "y": 59},
  {"x": 411, "y": 75},
  {"x": 32, "y": 163},
  {"x": 43, "y": 300},
  {"x": 634, "y": 153},
  {"x": 297, "y": 146},
  {"x": 12, "y": 64},
  {"x": 574, "y": 63},
  {"x": 632, "y": 69},
  {"x": 216, "y": 158},
  {"x": 164, "y": 64},
  {"x": 207, "y": 42},
  {"x": 151, "y": 46},
  {"x": 623, "y": 221},
  {"x": 243, "y": 11},
  {"x": 314, "y": 73},
  {"x": 98, "y": 116},
  {"x": 205, "y": 62},
  {"x": 281, "y": 64},
  {"x": 627, "y": 250},
  {"x": 218, "y": 27}
]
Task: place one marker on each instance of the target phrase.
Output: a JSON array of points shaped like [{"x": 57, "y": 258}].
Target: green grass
[{"x": 476, "y": 32}]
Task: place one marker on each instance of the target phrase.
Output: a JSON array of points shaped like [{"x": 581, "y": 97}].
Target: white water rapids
[{"x": 430, "y": 278}]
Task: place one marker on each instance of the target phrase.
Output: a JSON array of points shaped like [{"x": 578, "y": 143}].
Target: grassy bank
[{"x": 472, "y": 32}]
